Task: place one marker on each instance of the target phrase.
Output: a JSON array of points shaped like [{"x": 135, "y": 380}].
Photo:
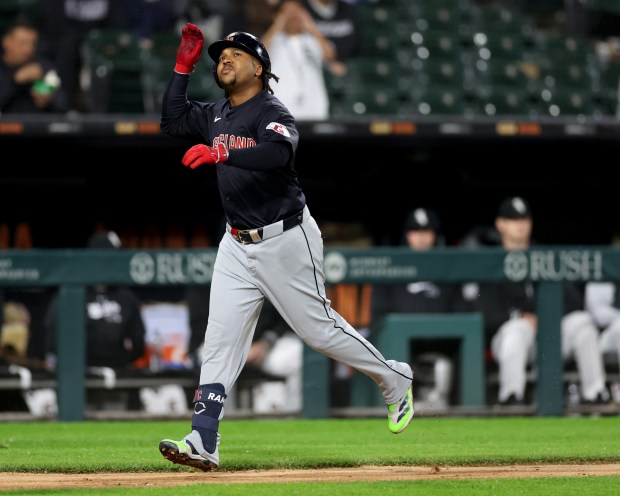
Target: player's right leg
[
  {"x": 232, "y": 320},
  {"x": 199, "y": 449}
]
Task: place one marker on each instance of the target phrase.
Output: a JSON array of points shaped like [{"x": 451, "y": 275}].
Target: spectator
[
  {"x": 275, "y": 350},
  {"x": 603, "y": 302},
  {"x": 28, "y": 82},
  {"x": 115, "y": 330},
  {"x": 511, "y": 322},
  {"x": 339, "y": 22},
  {"x": 65, "y": 24},
  {"x": 422, "y": 231},
  {"x": 298, "y": 50}
]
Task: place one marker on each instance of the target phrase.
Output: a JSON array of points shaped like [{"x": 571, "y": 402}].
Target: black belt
[{"x": 248, "y": 236}]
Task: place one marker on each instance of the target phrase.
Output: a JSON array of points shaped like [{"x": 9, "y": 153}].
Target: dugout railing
[{"x": 71, "y": 271}]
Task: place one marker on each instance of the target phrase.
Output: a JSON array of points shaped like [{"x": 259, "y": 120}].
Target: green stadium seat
[
  {"x": 374, "y": 17},
  {"x": 543, "y": 7},
  {"x": 504, "y": 73},
  {"x": 439, "y": 72},
  {"x": 572, "y": 75},
  {"x": 437, "y": 100},
  {"x": 497, "y": 101},
  {"x": 604, "y": 5},
  {"x": 157, "y": 71},
  {"x": 113, "y": 61},
  {"x": 434, "y": 19},
  {"x": 379, "y": 43},
  {"x": 165, "y": 43},
  {"x": 568, "y": 102},
  {"x": 610, "y": 86},
  {"x": 368, "y": 100},
  {"x": 499, "y": 45},
  {"x": 445, "y": 45},
  {"x": 499, "y": 18},
  {"x": 564, "y": 49},
  {"x": 373, "y": 70}
]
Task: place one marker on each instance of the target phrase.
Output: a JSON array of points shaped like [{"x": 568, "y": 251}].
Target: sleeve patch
[{"x": 279, "y": 128}]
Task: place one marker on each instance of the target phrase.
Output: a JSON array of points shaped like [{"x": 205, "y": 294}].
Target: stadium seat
[
  {"x": 437, "y": 100},
  {"x": 445, "y": 15},
  {"x": 504, "y": 73},
  {"x": 379, "y": 42},
  {"x": 368, "y": 100},
  {"x": 494, "y": 45},
  {"x": 373, "y": 70},
  {"x": 113, "y": 62},
  {"x": 445, "y": 45},
  {"x": 543, "y": 7},
  {"x": 156, "y": 73},
  {"x": 604, "y": 5},
  {"x": 498, "y": 18},
  {"x": 610, "y": 86},
  {"x": 497, "y": 101},
  {"x": 568, "y": 102},
  {"x": 563, "y": 49},
  {"x": 572, "y": 75},
  {"x": 377, "y": 17},
  {"x": 439, "y": 72}
]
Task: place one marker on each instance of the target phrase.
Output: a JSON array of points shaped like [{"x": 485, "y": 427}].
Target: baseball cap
[
  {"x": 420, "y": 219},
  {"x": 104, "y": 239},
  {"x": 514, "y": 207}
]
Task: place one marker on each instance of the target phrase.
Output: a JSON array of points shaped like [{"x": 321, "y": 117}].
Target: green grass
[
  {"x": 560, "y": 486},
  {"x": 128, "y": 446},
  {"x": 269, "y": 444}
]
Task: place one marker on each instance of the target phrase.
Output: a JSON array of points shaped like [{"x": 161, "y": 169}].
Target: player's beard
[{"x": 231, "y": 84}]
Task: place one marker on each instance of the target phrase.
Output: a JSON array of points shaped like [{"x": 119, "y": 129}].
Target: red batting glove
[
  {"x": 202, "y": 154},
  {"x": 190, "y": 48}
]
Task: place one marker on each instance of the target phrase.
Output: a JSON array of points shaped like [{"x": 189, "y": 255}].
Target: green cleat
[{"x": 400, "y": 413}]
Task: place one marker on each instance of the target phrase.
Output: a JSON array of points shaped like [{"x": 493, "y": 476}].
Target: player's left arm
[{"x": 277, "y": 141}]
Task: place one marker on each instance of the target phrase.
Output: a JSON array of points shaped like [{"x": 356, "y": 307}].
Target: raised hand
[{"x": 190, "y": 49}]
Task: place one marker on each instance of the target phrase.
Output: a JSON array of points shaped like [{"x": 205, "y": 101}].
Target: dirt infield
[{"x": 9, "y": 480}]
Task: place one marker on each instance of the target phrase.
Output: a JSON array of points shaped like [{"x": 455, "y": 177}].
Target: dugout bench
[
  {"x": 18, "y": 377},
  {"x": 71, "y": 271}
]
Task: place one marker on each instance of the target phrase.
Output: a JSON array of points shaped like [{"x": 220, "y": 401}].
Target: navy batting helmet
[{"x": 244, "y": 41}]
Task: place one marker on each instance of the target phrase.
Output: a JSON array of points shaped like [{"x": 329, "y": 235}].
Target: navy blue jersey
[{"x": 258, "y": 183}]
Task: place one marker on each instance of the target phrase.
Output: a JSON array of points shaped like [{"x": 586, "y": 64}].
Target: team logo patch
[{"x": 279, "y": 128}]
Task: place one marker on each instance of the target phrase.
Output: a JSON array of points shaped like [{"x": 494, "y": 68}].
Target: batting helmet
[{"x": 244, "y": 41}]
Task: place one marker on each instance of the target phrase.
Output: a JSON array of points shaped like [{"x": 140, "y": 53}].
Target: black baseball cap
[
  {"x": 514, "y": 207},
  {"x": 420, "y": 219},
  {"x": 104, "y": 239}
]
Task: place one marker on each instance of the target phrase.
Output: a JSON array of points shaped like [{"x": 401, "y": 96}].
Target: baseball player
[
  {"x": 272, "y": 247},
  {"x": 511, "y": 322}
]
